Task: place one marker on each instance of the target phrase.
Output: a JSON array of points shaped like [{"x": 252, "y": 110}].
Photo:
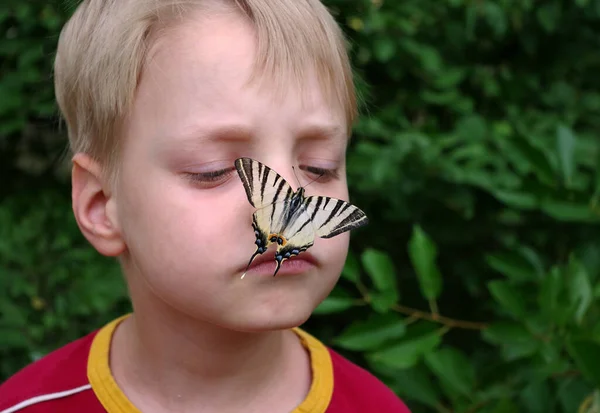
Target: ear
[{"x": 95, "y": 207}]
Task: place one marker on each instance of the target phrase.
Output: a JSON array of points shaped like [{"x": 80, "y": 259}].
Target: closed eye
[
  {"x": 211, "y": 178},
  {"x": 321, "y": 174}
]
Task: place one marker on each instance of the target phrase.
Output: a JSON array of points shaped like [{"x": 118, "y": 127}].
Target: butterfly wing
[
  {"x": 317, "y": 216},
  {"x": 331, "y": 217},
  {"x": 263, "y": 185}
]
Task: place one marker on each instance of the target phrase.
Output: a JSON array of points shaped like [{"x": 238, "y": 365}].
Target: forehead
[{"x": 204, "y": 66}]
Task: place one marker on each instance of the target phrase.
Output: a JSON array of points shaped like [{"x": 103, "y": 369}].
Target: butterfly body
[{"x": 288, "y": 218}]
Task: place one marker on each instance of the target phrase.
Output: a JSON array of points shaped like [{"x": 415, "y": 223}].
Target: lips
[{"x": 265, "y": 264}]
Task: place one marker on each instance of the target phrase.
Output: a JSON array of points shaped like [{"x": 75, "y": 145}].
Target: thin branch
[
  {"x": 434, "y": 309},
  {"x": 566, "y": 373},
  {"x": 436, "y": 318},
  {"x": 364, "y": 291},
  {"x": 410, "y": 319}
]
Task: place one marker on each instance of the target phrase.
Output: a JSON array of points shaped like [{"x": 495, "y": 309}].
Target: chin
[
  {"x": 268, "y": 303},
  {"x": 263, "y": 319}
]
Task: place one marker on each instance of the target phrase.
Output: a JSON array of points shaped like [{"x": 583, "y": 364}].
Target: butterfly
[{"x": 288, "y": 218}]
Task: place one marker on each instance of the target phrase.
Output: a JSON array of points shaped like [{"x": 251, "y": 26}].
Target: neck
[{"x": 185, "y": 363}]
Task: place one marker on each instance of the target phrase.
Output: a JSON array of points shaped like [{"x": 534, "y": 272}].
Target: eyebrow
[
  {"x": 227, "y": 132},
  {"x": 321, "y": 132},
  {"x": 193, "y": 136}
]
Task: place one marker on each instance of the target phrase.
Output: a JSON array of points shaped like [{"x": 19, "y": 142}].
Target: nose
[{"x": 285, "y": 166}]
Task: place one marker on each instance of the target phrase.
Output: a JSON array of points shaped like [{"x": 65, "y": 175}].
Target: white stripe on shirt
[{"x": 46, "y": 397}]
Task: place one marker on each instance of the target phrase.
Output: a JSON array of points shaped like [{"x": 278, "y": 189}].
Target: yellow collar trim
[{"x": 114, "y": 400}]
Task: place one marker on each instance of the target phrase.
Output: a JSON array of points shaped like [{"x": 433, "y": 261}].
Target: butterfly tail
[
  {"x": 278, "y": 260},
  {"x": 258, "y": 251}
]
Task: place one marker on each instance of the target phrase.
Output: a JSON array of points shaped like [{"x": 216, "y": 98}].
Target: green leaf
[
  {"x": 372, "y": 333},
  {"x": 384, "y": 49},
  {"x": 472, "y": 13},
  {"x": 446, "y": 98},
  {"x": 580, "y": 289},
  {"x": 536, "y": 159},
  {"x": 407, "y": 353},
  {"x": 551, "y": 352},
  {"x": 572, "y": 391},
  {"x": 549, "y": 295},
  {"x": 514, "y": 266},
  {"x": 565, "y": 146},
  {"x": 519, "y": 200},
  {"x": 454, "y": 369},
  {"x": 380, "y": 268},
  {"x": 508, "y": 297},
  {"x": 549, "y": 16},
  {"x": 383, "y": 301},
  {"x": 504, "y": 332},
  {"x": 429, "y": 57},
  {"x": 416, "y": 384},
  {"x": 537, "y": 397},
  {"x": 496, "y": 18},
  {"x": 423, "y": 253},
  {"x": 585, "y": 353},
  {"x": 334, "y": 305},
  {"x": 568, "y": 211},
  {"x": 450, "y": 78},
  {"x": 471, "y": 128},
  {"x": 516, "y": 341}
]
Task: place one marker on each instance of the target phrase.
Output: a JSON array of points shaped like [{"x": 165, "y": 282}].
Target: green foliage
[
  {"x": 55, "y": 287},
  {"x": 476, "y": 287}
]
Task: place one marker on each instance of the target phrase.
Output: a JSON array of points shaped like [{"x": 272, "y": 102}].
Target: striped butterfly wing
[
  {"x": 263, "y": 185},
  {"x": 331, "y": 217},
  {"x": 317, "y": 216}
]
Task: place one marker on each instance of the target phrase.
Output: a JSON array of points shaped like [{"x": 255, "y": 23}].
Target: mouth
[{"x": 265, "y": 264}]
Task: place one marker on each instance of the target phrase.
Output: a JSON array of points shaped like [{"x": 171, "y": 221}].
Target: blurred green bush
[{"x": 476, "y": 288}]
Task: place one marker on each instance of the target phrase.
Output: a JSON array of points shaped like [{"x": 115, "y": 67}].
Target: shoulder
[
  {"x": 355, "y": 389},
  {"x": 60, "y": 374}
]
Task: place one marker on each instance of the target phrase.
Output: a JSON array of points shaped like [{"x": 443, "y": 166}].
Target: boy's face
[{"x": 189, "y": 235}]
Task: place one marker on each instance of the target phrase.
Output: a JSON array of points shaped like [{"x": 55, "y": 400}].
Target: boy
[{"x": 160, "y": 97}]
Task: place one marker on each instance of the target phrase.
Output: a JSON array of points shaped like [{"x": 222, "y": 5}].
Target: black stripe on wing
[
  {"x": 263, "y": 185},
  {"x": 331, "y": 217},
  {"x": 355, "y": 219}
]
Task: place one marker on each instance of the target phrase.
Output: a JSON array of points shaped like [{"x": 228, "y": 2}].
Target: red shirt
[{"x": 77, "y": 378}]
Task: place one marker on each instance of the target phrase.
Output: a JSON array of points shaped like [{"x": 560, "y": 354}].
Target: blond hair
[{"x": 104, "y": 46}]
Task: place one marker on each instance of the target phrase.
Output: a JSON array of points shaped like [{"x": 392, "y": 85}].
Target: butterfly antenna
[
  {"x": 298, "y": 180},
  {"x": 316, "y": 179}
]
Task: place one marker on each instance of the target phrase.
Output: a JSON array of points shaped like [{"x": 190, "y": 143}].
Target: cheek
[
  {"x": 332, "y": 252},
  {"x": 170, "y": 226}
]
